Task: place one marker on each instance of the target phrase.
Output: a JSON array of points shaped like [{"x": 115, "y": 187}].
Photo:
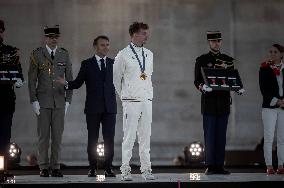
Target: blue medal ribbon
[{"x": 142, "y": 67}]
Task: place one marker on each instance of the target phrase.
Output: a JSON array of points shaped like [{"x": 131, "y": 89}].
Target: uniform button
[{"x": 53, "y": 87}]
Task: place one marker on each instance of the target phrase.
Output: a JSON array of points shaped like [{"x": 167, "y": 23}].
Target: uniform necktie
[
  {"x": 103, "y": 68},
  {"x": 52, "y": 55}
]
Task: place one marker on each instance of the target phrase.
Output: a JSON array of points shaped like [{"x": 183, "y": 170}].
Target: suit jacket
[
  {"x": 268, "y": 85},
  {"x": 215, "y": 102},
  {"x": 43, "y": 72},
  {"x": 100, "y": 94}
]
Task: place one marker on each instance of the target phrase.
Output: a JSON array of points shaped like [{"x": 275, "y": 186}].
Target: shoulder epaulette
[
  {"x": 11, "y": 48},
  {"x": 35, "y": 50},
  {"x": 200, "y": 57},
  {"x": 64, "y": 49}
]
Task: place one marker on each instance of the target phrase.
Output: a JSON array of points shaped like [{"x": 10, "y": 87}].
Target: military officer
[
  {"x": 49, "y": 99},
  {"x": 215, "y": 105},
  {"x": 9, "y": 61}
]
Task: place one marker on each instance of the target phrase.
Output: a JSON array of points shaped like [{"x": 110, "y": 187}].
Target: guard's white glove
[
  {"x": 206, "y": 88},
  {"x": 241, "y": 91},
  {"x": 19, "y": 83},
  {"x": 36, "y": 107},
  {"x": 66, "y": 106}
]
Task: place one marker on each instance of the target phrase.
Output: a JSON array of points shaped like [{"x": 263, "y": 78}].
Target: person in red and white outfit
[{"x": 271, "y": 87}]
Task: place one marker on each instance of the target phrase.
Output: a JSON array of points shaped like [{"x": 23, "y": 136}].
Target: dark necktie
[
  {"x": 103, "y": 68},
  {"x": 52, "y": 55}
]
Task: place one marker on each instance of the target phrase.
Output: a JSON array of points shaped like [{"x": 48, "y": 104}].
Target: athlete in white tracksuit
[{"x": 136, "y": 94}]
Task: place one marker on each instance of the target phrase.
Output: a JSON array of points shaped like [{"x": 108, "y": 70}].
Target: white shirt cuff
[
  {"x": 66, "y": 85},
  {"x": 273, "y": 101}
]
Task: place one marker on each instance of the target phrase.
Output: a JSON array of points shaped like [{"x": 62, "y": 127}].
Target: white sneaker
[
  {"x": 126, "y": 175},
  {"x": 147, "y": 175}
]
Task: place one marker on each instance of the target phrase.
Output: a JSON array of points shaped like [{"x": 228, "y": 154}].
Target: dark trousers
[
  {"x": 108, "y": 131},
  {"x": 5, "y": 132},
  {"x": 215, "y": 129}
]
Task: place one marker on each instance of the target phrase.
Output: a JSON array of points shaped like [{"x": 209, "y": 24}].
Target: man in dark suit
[{"x": 100, "y": 105}]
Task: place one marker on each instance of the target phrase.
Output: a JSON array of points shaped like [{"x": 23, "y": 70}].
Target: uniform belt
[{"x": 133, "y": 100}]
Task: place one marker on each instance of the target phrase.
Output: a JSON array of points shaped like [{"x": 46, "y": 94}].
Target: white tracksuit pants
[
  {"x": 273, "y": 119},
  {"x": 137, "y": 118}
]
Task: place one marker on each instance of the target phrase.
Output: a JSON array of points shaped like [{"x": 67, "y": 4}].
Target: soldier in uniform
[
  {"x": 215, "y": 105},
  {"x": 49, "y": 99},
  {"x": 9, "y": 60}
]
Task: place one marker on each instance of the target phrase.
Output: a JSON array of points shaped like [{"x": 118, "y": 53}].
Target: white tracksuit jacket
[{"x": 126, "y": 74}]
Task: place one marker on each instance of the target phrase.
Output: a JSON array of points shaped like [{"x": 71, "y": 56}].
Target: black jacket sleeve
[
  {"x": 198, "y": 79},
  {"x": 80, "y": 79},
  {"x": 265, "y": 87}
]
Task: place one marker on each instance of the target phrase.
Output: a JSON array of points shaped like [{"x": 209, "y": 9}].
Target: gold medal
[{"x": 143, "y": 76}]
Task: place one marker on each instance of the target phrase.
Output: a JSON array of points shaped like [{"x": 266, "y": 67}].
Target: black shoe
[
  {"x": 56, "y": 173},
  {"x": 92, "y": 173},
  {"x": 209, "y": 171},
  {"x": 44, "y": 173},
  {"x": 109, "y": 173},
  {"x": 221, "y": 170}
]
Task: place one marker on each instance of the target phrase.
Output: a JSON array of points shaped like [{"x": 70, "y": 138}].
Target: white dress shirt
[
  {"x": 98, "y": 58},
  {"x": 280, "y": 85},
  {"x": 50, "y": 50}
]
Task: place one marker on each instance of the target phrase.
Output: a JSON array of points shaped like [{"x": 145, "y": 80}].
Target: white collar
[
  {"x": 49, "y": 50},
  {"x": 136, "y": 47},
  {"x": 98, "y": 58},
  {"x": 281, "y": 65}
]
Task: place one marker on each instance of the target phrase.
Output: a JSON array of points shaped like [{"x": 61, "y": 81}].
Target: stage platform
[{"x": 166, "y": 178}]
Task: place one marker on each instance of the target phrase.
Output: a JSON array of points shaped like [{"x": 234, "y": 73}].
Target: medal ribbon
[{"x": 142, "y": 67}]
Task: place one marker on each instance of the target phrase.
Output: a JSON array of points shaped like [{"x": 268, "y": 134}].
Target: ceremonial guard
[
  {"x": 132, "y": 73},
  {"x": 215, "y": 105},
  {"x": 9, "y": 61},
  {"x": 49, "y": 99}
]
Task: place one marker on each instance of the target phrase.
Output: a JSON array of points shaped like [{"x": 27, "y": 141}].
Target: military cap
[
  {"x": 51, "y": 31},
  {"x": 2, "y": 25},
  {"x": 214, "y": 35}
]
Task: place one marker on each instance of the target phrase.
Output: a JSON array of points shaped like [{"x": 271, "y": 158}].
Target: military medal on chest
[
  {"x": 47, "y": 66},
  {"x": 143, "y": 75},
  {"x": 5, "y": 58}
]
